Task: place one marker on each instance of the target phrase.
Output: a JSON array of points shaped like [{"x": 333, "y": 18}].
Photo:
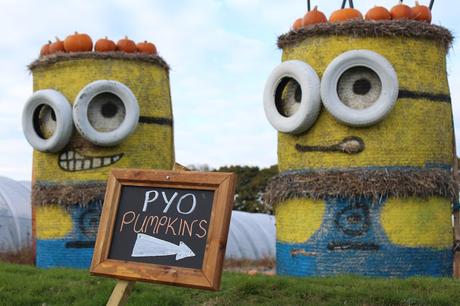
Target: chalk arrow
[{"x": 148, "y": 246}]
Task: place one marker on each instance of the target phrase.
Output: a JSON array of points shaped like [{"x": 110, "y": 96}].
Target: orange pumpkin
[
  {"x": 146, "y": 47},
  {"x": 345, "y": 15},
  {"x": 105, "y": 45},
  {"x": 314, "y": 16},
  {"x": 421, "y": 13},
  {"x": 57, "y": 46},
  {"x": 401, "y": 11},
  {"x": 378, "y": 13},
  {"x": 126, "y": 45},
  {"x": 45, "y": 50},
  {"x": 78, "y": 43},
  {"x": 297, "y": 24}
]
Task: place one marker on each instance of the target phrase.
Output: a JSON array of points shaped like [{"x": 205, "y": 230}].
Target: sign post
[{"x": 167, "y": 227}]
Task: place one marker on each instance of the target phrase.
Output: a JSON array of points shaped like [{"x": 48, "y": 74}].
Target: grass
[{"x": 26, "y": 285}]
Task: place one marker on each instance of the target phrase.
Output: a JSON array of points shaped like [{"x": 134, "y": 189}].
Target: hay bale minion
[
  {"x": 90, "y": 112},
  {"x": 365, "y": 150}
]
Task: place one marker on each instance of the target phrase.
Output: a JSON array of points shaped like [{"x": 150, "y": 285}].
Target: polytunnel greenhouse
[{"x": 15, "y": 215}]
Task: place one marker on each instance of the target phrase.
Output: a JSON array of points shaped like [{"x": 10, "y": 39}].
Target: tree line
[{"x": 250, "y": 185}]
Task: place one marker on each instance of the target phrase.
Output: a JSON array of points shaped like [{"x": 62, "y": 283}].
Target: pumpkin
[
  {"x": 146, "y": 47},
  {"x": 57, "y": 46},
  {"x": 401, "y": 11},
  {"x": 421, "y": 13},
  {"x": 314, "y": 16},
  {"x": 378, "y": 13},
  {"x": 105, "y": 45},
  {"x": 126, "y": 45},
  {"x": 345, "y": 14},
  {"x": 45, "y": 50},
  {"x": 78, "y": 43},
  {"x": 297, "y": 24}
]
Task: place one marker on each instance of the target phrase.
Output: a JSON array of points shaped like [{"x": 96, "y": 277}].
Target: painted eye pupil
[
  {"x": 298, "y": 94},
  {"x": 288, "y": 96},
  {"x": 44, "y": 121},
  {"x": 362, "y": 87},
  {"x": 109, "y": 109},
  {"x": 359, "y": 87}
]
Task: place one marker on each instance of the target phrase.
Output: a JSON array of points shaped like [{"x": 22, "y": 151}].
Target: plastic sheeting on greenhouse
[
  {"x": 15, "y": 215},
  {"x": 251, "y": 236}
]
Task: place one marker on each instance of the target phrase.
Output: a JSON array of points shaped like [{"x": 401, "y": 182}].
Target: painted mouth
[
  {"x": 74, "y": 161},
  {"x": 80, "y": 244},
  {"x": 343, "y": 246},
  {"x": 348, "y": 145}
]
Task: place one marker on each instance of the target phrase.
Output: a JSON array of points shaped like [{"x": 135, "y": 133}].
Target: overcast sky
[{"x": 220, "y": 51}]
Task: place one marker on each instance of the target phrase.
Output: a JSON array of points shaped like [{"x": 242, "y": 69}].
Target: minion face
[
  {"x": 383, "y": 106},
  {"x": 86, "y": 116},
  {"x": 363, "y": 111}
]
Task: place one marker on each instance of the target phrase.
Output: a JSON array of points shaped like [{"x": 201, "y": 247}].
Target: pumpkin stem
[
  {"x": 57, "y": 38},
  {"x": 49, "y": 42},
  {"x": 315, "y": 8},
  {"x": 105, "y": 37},
  {"x": 416, "y": 3},
  {"x": 431, "y": 4},
  {"x": 126, "y": 36},
  {"x": 76, "y": 33},
  {"x": 308, "y": 5}
]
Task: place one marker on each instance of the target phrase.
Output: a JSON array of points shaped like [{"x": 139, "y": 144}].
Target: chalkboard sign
[{"x": 165, "y": 226}]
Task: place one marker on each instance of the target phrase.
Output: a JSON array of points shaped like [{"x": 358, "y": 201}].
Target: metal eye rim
[
  {"x": 64, "y": 123},
  {"x": 380, "y": 108},
  {"x": 80, "y": 112},
  {"x": 310, "y": 103}
]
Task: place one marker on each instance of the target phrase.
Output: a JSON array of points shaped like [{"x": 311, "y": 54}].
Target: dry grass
[
  {"x": 360, "y": 184},
  {"x": 25, "y": 256},
  {"x": 265, "y": 263}
]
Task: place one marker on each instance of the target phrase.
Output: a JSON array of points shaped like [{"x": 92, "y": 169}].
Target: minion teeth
[{"x": 73, "y": 161}]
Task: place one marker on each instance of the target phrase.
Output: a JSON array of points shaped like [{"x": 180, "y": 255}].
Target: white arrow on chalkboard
[{"x": 148, "y": 246}]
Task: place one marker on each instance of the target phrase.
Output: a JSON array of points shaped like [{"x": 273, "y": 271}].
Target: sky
[{"x": 220, "y": 51}]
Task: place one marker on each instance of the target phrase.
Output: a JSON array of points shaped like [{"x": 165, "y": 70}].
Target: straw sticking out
[
  {"x": 362, "y": 28},
  {"x": 431, "y": 4},
  {"x": 59, "y": 57},
  {"x": 343, "y": 4},
  {"x": 360, "y": 183},
  {"x": 308, "y": 5}
]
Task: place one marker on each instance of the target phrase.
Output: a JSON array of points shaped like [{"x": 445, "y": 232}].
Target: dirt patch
[
  {"x": 265, "y": 266},
  {"x": 24, "y": 256}
]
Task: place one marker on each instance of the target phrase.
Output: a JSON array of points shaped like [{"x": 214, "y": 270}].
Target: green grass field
[{"x": 26, "y": 285}]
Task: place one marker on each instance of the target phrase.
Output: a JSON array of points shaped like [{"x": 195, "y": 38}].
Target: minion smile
[
  {"x": 73, "y": 161},
  {"x": 348, "y": 145}
]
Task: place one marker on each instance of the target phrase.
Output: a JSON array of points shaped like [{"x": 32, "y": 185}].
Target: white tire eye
[
  {"x": 47, "y": 121},
  {"x": 359, "y": 88},
  {"x": 106, "y": 112},
  {"x": 292, "y": 97}
]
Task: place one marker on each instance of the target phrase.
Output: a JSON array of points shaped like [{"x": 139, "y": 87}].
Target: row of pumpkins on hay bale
[
  {"x": 80, "y": 42},
  {"x": 400, "y": 11}
]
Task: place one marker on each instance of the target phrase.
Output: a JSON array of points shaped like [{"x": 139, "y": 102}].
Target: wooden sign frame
[{"x": 209, "y": 276}]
